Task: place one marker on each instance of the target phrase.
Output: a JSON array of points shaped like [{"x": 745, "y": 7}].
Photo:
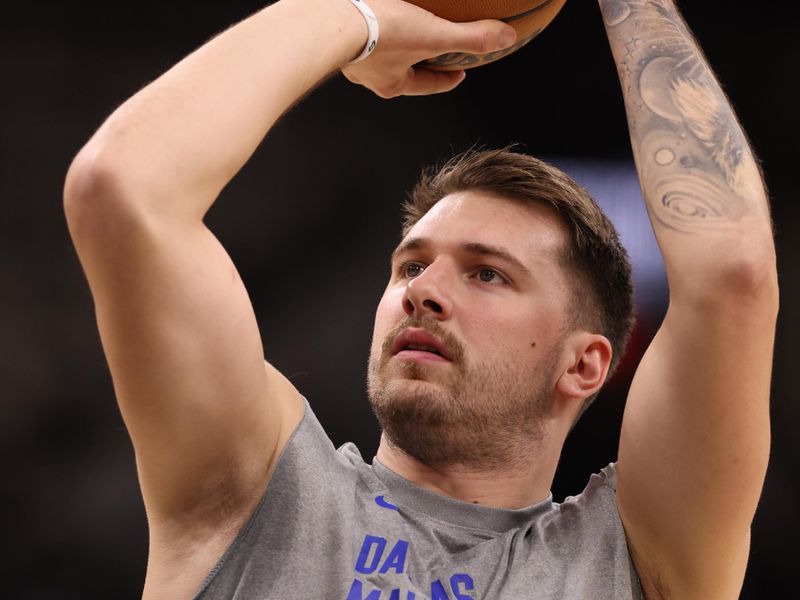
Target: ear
[{"x": 590, "y": 358}]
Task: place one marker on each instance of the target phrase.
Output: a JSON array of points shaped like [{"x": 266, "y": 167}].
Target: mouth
[{"x": 417, "y": 344}]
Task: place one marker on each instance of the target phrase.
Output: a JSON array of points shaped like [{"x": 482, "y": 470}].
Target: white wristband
[{"x": 372, "y": 30}]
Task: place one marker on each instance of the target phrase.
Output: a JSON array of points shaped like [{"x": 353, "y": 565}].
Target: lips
[{"x": 415, "y": 340}]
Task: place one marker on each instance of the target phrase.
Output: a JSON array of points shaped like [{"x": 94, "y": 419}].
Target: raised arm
[
  {"x": 206, "y": 414},
  {"x": 695, "y": 435}
]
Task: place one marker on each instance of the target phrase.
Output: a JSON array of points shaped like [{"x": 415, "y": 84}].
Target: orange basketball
[{"x": 528, "y": 17}]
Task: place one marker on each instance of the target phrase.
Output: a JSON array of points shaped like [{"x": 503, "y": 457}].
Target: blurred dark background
[{"x": 310, "y": 222}]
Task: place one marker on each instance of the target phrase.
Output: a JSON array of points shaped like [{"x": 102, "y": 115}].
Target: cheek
[
  {"x": 522, "y": 338},
  {"x": 388, "y": 313},
  {"x": 516, "y": 334}
]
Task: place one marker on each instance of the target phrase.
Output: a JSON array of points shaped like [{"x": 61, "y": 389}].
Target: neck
[{"x": 520, "y": 484}]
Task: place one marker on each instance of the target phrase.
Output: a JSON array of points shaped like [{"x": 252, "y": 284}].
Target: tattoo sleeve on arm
[{"x": 696, "y": 168}]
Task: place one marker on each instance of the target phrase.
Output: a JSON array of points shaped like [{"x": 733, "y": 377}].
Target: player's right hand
[{"x": 409, "y": 35}]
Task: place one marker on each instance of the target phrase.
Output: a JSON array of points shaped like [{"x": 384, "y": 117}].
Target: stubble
[{"x": 481, "y": 415}]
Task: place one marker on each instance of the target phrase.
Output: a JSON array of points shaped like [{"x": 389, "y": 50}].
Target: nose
[{"x": 428, "y": 294}]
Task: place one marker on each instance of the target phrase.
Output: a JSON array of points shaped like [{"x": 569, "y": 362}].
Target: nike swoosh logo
[{"x": 383, "y": 503}]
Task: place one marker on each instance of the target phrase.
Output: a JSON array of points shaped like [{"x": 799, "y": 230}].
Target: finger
[
  {"x": 478, "y": 37},
  {"x": 422, "y": 82}
]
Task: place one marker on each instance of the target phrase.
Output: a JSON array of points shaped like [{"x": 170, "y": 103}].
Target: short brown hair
[{"x": 601, "y": 269}]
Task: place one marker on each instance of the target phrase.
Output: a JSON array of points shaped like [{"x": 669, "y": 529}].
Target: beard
[{"x": 480, "y": 415}]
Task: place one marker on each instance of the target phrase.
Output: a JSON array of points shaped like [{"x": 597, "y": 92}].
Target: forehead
[{"x": 530, "y": 231}]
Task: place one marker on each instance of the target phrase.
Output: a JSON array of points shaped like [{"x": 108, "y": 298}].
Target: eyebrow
[{"x": 475, "y": 248}]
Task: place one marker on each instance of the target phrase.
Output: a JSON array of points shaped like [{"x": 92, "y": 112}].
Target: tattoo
[
  {"x": 462, "y": 60},
  {"x": 695, "y": 166}
]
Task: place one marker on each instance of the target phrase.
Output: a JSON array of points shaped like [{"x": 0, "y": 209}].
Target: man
[{"x": 489, "y": 341}]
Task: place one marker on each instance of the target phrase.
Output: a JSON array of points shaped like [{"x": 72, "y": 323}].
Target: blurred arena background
[{"x": 310, "y": 222}]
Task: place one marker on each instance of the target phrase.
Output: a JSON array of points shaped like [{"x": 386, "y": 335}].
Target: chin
[
  {"x": 407, "y": 391},
  {"x": 426, "y": 422},
  {"x": 485, "y": 417}
]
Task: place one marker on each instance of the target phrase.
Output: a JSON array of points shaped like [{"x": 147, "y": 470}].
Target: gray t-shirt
[{"x": 332, "y": 527}]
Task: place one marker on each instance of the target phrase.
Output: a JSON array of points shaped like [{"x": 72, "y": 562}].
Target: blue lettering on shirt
[
  {"x": 357, "y": 589},
  {"x": 397, "y": 558},
  {"x": 459, "y": 579},
  {"x": 438, "y": 592},
  {"x": 357, "y": 593},
  {"x": 370, "y": 542},
  {"x": 371, "y": 559}
]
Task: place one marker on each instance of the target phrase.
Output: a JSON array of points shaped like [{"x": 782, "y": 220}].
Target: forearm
[
  {"x": 700, "y": 181},
  {"x": 177, "y": 143}
]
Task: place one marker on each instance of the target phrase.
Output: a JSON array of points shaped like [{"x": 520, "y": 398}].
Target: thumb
[{"x": 480, "y": 37}]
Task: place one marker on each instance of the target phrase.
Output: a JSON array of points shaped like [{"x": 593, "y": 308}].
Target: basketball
[{"x": 528, "y": 17}]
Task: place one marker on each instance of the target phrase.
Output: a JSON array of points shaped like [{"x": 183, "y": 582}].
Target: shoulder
[
  {"x": 309, "y": 497},
  {"x": 590, "y": 521},
  {"x": 599, "y": 494},
  {"x": 310, "y": 453}
]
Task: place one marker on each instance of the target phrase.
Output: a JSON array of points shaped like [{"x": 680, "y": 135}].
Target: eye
[
  {"x": 411, "y": 270},
  {"x": 489, "y": 275}
]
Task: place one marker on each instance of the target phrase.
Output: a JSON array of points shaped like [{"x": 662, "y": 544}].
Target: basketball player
[{"x": 508, "y": 303}]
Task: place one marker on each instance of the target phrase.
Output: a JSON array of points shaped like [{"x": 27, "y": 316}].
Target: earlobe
[{"x": 589, "y": 368}]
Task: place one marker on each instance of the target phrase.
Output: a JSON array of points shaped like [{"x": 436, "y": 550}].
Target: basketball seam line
[{"x": 537, "y": 8}]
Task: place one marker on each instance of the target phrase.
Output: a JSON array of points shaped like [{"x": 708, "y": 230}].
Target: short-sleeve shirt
[{"x": 332, "y": 527}]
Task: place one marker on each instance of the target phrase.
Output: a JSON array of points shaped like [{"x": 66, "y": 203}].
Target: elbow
[
  {"x": 753, "y": 273},
  {"x": 86, "y": 180},
  {"x": 94, "y": 194},
  {"x": 746, "y": 281}
]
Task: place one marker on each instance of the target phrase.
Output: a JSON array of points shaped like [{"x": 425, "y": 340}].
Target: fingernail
[{"x": 507, "y": 37}]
